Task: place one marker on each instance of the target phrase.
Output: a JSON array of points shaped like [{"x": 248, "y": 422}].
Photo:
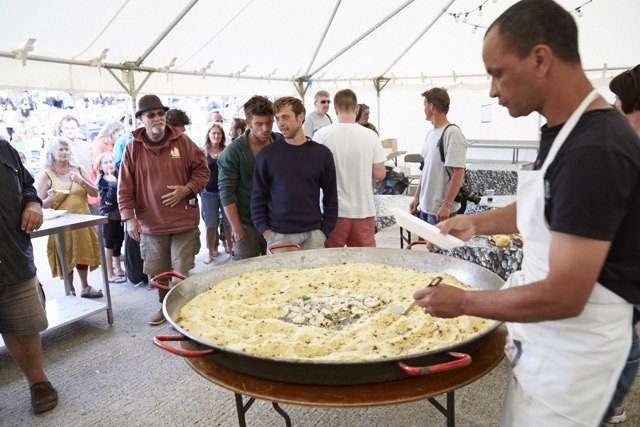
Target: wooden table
[{"x": 485, "y": 359}]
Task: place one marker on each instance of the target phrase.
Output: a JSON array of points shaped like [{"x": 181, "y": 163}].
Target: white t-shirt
[
  {"x": 434, "y": 180},
  {"x": 355, "y": 150}
]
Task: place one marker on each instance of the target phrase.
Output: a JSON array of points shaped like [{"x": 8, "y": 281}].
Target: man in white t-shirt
[
  {"x": 359, "y": 159},
  {"x": 319, "y": 117},
  {"x": 440, "y": 181}
]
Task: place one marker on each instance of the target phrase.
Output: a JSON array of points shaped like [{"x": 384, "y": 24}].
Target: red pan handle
[
  {"x": 160, "y": 341},
  {"x": 462, "y": 359},
  {"x": 154, "y": 279},
  {"x": 417, "y": 242},
  {"x": 283, "y": 245}
]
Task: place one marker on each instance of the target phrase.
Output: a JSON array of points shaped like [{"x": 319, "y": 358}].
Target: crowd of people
[{"x": 310, "y": 185}]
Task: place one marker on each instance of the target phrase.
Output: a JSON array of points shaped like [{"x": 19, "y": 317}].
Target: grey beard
[{"x": 158, "y": 129}]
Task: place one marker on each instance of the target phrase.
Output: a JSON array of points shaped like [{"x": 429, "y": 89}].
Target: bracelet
[{"x": 446, "y": 203}]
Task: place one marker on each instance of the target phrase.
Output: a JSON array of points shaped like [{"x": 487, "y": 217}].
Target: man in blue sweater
[{"x": 287, "y": 180}]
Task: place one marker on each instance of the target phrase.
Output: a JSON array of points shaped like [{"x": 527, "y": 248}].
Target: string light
[
  {"x": 469, "y": 14},
  {"x": 578, "y": 10}
]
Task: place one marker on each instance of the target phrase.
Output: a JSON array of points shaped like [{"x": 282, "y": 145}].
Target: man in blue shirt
[{"x": 288, "y": 177}]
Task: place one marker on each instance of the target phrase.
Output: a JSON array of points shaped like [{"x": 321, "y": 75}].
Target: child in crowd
[{"x": 107, "y": 183}]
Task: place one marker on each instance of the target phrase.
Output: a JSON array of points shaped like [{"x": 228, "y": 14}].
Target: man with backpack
[{"x": 440, "y": 180}]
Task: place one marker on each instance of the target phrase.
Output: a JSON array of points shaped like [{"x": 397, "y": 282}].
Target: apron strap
[{"x": 567, "y": 128}]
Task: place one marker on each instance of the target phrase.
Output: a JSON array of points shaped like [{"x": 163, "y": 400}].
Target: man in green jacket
[{"x": 235, "y": 177}]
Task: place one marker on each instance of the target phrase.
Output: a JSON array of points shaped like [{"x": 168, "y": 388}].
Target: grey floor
[{"x": 115, "y": 376}]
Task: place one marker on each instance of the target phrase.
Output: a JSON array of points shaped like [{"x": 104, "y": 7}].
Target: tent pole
[
  {"x": 301, "y": 87},
  {"x": 379, "y": 83},
  {"x": 165, "y": 32}
]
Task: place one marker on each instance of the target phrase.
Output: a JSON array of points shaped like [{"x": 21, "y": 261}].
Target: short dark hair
[
  {"x": 177, "y": 118},
  {"x": 296, "y": 105},
  {"x": 258, "y": 106},
  {"x": 531, "y": 22},
  {"x": 345, "y": 100},
  {"x": 626, "y": 86},
  {"x": 239, "y": 123},
  {"x": 439, "y": 98}
]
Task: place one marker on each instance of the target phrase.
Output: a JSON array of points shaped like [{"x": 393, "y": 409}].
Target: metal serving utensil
[{"x": 400, "y": 310}]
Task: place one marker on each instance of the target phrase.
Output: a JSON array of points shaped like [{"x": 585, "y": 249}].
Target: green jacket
[{"x": 235, "y": 175}]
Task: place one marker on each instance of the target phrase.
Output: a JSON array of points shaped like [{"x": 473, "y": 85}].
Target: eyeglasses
[
  {"x": 152, "y": 116},
  {"x": 325, "y": 101}
]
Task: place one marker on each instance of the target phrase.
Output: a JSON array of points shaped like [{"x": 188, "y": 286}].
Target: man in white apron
[{"x": 569, "y": 310}]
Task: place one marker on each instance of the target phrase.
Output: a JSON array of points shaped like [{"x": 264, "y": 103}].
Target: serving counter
[
  {"x": 501, "y": 260},
  {"x": 67, "y": 309}
]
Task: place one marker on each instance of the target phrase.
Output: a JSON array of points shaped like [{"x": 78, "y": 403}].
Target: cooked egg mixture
[{"x": 339, "y": 312}]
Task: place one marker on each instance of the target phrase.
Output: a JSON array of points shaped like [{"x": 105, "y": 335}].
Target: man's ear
[{"x": 542, "y": 57}]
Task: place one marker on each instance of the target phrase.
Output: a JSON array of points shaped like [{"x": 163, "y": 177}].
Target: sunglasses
[
  {"x": 325, "y": 101},
  {"x": 152, "y": 116}
]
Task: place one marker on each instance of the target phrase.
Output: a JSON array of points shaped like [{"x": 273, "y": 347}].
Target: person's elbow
[{"x": 379, "y": 171}]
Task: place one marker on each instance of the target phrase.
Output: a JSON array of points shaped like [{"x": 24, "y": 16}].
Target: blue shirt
[{"x": 286, "y": 188}]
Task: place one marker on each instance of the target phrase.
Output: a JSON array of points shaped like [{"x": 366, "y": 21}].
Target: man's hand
[
  {"x": 461, "y": 226},
  {"x": 443, "y": 213},
  {"x": 31, "y": 217},
  {"x": 413, "y": 207},
  {"x": 266, "y": 233},
  {"x": 132, "y": 227},
  {"x": 178, "y": 193},
  {"x": 238, "y": 233},
  {"x": 441, "y": 301}
]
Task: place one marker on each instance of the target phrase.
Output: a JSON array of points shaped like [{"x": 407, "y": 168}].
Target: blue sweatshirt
[{"x": 287, "y": 180}]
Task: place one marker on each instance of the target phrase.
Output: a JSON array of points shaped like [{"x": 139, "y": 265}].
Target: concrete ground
[{"x": 115, "y": 376}]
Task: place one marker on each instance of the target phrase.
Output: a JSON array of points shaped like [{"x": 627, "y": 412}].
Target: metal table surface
[
  {"x": 485, "y": 359},
  {"x": 68, "y": 309}
]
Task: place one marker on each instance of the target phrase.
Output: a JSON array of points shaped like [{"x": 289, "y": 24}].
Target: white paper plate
[
  {"x": 51, "y": 213},
  {"x": 425, "y": 230}
]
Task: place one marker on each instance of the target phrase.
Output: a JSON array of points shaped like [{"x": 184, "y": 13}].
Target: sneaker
[
  {"x": 619, "y": 416},
  {"x": 157, "y": 318},
  {"x": 43, "y": 397}
]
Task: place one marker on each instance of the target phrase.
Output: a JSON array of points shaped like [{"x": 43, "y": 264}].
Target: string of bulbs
[{"x": 463, "y": 17}]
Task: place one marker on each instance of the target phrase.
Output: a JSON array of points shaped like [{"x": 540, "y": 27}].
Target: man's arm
[
  {"x": 259, "y": 197},
  {"x": 379, "y": 171},
  {"x": 307, "y": 127},
  {"x": 575, "y": 264},
  {"x": 329, "y": 187},
  {"x": 228, "y": 177}
]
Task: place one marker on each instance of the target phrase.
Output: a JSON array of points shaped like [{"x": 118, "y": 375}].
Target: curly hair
[
  {"x": 177, "y": 118},
  {"x": 258, "y": 106}
]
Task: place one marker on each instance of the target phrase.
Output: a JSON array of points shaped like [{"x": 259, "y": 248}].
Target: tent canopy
[{"x": 215, "y": 47}]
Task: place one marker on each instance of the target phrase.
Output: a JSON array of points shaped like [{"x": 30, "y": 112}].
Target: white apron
[{"x": 564, "y": 372}]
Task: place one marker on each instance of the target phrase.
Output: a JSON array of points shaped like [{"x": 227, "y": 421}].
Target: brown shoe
[
  {"x": 157, "y": 318},
  {"x": 43, "y": 397}
]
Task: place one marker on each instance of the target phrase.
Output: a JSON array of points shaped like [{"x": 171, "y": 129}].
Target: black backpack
[{"x": 465, "y": 193}]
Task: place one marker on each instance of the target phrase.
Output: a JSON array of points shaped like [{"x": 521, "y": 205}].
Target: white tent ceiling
[{"x": 262, "y": 46}]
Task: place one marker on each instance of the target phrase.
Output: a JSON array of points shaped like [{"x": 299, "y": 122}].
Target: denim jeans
[{"x": 431, "y": 219}]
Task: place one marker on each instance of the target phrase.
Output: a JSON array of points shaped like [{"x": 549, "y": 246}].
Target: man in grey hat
[{"x": 161, "y": 173}]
